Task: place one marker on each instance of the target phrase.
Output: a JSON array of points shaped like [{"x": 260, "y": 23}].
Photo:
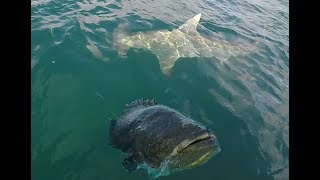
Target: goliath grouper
[{"x": 160, "y": 139}]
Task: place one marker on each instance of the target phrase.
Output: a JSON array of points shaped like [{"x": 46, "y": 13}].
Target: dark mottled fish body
[{"x": 161, "y": 139}]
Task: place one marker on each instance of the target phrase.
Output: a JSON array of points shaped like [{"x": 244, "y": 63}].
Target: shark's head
[{"x": 121, "y": 40}]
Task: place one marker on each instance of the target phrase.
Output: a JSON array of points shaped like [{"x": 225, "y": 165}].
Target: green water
[{"x": 76, "y": 92}]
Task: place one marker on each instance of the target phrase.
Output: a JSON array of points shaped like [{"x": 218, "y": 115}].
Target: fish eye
[{"x": 184, "y": 125}]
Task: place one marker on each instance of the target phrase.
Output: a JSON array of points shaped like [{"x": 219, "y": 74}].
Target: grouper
[{"x": 160, "y": 139}]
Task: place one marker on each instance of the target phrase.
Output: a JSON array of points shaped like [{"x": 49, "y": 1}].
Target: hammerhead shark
[{"x": 169, "y": 46}]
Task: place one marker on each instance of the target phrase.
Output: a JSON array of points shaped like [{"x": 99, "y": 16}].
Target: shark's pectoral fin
[
  {"x": 166, "y": 65},
  {"x": 166, "y": 70}
]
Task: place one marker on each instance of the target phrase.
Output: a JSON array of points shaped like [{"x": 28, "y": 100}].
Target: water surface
[{"x": 79, "y": 83}]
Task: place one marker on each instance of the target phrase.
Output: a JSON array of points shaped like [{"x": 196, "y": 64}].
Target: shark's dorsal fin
[{"x": 191, "y": 24}]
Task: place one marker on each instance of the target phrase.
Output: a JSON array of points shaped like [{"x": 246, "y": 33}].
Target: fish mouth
[
  {"x": 205, "y": 139},
  {"x": 197, "y": 151}
]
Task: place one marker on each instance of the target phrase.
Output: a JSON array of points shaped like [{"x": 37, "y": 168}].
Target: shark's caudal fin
[
  {"x": 118, "y": 35},
  {"x": 191, "y": 24}
]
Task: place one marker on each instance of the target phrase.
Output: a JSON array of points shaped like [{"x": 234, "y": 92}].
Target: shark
[{"x": 170, "y": 45}]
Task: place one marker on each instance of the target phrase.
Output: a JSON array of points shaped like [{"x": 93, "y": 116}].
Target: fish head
[
  {"x": 121, "y": 41},
  {"x": 122, "y": 44}
]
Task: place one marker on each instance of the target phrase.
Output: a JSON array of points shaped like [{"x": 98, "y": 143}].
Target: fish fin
[
  {"x": 138, "y": 103},
  {"x": 167, "y": 63},
  {"x": 130, "y": 164},
  {"x": 166, "y": 70},
  {"x": 142, "y": 102},
  {"x": 191, "y": 24}
]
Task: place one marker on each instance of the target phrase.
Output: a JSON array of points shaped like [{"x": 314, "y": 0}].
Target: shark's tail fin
[{"x": 119, "y": 39}]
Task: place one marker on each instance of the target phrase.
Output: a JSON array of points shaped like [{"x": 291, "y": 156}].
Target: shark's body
[{"x": 185, "y": 41}]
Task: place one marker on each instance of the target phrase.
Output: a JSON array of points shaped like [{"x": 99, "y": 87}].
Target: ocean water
[{"x": 79, "y": 83}]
